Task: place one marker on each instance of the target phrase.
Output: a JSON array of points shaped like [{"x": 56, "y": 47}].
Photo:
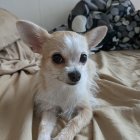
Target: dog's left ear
[
  {"x": 32, "y": 34},
  {"x": 95, "y": 36}
]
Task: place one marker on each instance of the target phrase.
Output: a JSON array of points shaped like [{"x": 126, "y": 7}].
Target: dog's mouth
[
  {"x": 72, "y": 83},
  {"x": 68, "y": 83}
]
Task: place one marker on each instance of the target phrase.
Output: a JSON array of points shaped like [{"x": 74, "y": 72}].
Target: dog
[{"x": 66, "y": 82}]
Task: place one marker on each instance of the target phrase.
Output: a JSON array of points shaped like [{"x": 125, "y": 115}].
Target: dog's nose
[{"x": 74, "y": 76}]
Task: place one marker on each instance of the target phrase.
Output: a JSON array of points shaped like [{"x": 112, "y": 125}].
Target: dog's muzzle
[{"x": 74, "y": 77}]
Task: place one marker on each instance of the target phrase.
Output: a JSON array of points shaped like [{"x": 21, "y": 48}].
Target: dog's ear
[
  {"x": 32, "y": 34},
  {"x": 95, "y": 36}
]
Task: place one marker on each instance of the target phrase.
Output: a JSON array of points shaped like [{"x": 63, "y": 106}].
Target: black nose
[{"x": 74, "y": 76}]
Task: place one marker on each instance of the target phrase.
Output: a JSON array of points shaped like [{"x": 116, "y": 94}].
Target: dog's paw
[
  {"x": 62, "y": 137},
  {"x": 44, "y": 136},
  {"x": 59, "y": 138}
]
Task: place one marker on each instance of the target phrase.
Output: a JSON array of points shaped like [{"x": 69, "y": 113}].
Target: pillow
[{"x": 118, "y": 15}]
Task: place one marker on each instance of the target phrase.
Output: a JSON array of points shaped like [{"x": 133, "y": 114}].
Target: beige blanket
[{"x": 118, "y": 118}]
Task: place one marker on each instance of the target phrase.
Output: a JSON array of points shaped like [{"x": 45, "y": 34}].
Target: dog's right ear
[
  {"x": 32, "y": 34},
  {"x": 95, "y": 36}
]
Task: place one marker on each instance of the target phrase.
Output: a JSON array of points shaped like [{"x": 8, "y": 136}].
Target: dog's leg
[
  {"x": 76, "y": 124},
  {"x": 47, "y": 124}
]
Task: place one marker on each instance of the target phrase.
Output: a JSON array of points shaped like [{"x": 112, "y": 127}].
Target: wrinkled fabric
[
  {"x": 16, "y": 57},
  {"x": 8, "y": 32}
]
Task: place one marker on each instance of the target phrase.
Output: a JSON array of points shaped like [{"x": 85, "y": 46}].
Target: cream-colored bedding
[{"x": 118, "y": 118}]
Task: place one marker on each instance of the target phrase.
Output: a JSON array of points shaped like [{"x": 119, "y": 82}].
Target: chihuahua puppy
[{"x": 66, "y": 82}]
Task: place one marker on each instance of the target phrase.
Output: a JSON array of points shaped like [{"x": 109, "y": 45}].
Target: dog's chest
[{"x": 65, "y": 98}]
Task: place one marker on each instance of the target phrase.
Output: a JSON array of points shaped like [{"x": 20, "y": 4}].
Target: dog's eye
[
  {"x": 57, "y": 58},
  {"x": 83, "y": 58}
]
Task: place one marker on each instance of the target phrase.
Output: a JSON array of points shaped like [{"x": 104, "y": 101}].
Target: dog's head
[{"x": 64, "y": 53}]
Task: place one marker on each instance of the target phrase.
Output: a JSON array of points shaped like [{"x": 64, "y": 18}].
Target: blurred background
[{"x": 46, "y": 13}]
